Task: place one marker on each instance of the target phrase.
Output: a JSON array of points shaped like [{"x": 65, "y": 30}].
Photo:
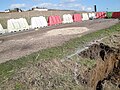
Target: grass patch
[
  {"x": 9, "y": 68},
  {"x": 87, "y": 62}
]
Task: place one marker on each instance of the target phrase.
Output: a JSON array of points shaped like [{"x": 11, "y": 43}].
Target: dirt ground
[{"x": 24, "y": 43}]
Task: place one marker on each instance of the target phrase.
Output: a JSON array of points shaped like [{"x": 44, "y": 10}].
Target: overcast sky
[{"x": 87, "y": 5}]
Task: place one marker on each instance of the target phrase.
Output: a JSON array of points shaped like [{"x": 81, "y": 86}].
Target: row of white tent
[{"x": 14, "y": 25}]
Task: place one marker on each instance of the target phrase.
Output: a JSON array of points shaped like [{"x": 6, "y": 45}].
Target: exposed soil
[
  {"x": 96, "y": 68},
  {"x": 24, "y": 43},
  {"x": 106, "y": 68}
]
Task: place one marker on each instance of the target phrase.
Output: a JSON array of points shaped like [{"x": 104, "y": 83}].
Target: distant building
[
  {"x": 16, "y": 10},
  {"x": 39, "y": 9},
  {"x": 13, "y": 10},
  {"x": 7, "y": 11}
]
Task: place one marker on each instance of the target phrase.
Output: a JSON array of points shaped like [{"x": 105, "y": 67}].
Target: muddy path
[{"x": 24, "y": 43}]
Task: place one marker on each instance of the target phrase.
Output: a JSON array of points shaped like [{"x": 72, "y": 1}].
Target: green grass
[
  {"x": 87, "y": 62},
  {"x": 18, "y": 86},
  {"x": 7, "y": 69}
]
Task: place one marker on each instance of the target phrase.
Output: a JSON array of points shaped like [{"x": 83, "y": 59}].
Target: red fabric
[{"x": 77, "y": 18}]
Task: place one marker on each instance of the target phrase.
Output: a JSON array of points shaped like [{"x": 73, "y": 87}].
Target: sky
[{"x": 80, "y": 5}]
